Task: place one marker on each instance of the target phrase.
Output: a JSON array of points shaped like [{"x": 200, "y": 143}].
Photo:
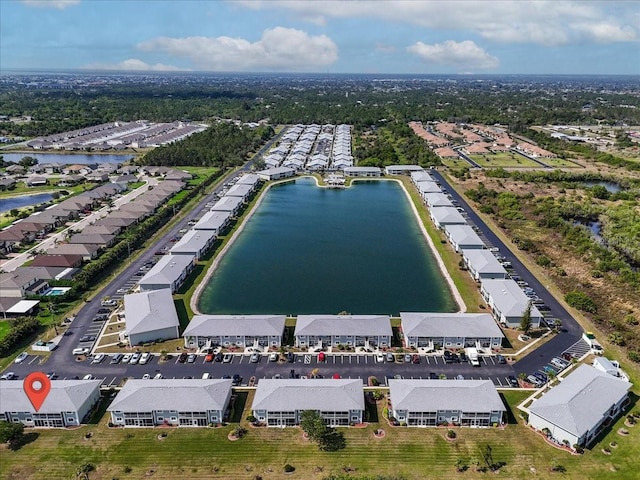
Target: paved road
[
  {"x": 571, "y": 330},
  {"x": 467, "y": 158},
  {"x": 51, "y": 241}
]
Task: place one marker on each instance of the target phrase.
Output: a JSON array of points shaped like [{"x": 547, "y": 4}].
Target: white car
[
  {"x": 98, "y": 358},
  {"x": 88, "y": 376},
  {"x": 206, "y": 376},
  {"x": 126, "y": 358},
  {"x": 380, "y": 357},
  {"x": 273, "y": 357},
  {"x": 135, "y": 358},
  {"x": 158, "y": 376},
  {"x": 21, "y": 358},
  {"x": 80, "y": 351},
  {"x": 146, "y": 376},
  {"x": 146, "y": 356}
]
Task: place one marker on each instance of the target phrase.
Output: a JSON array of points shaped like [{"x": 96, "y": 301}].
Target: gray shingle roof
[
  {"x": 185, "y": 395},
  {"x": 343, "y": 325},
  {"x": 463, "y": 235},
  {"x": 227, "y": 204},
  {"x": 239, "y": 190},
  {"x": 434, "y": 395},
  {"x": 168, "y": 269},
  {"x": 149, "y": 311},
  {"x": 64, "y": 396},
  {"x": 309, "y": 394},
  {"x": 449, "y": 215},
  {"x": 193, "y": 241},
  {"x": 580, "y": 401},
  {"x": 437, "y": 200},
  {"x": 212, "y": 221},
  {"x": 249, "y": 179},
  {"x": 449, "y": 325},
  {"x": 508, "y": 297},
  {"x": 483, "y": 261},
  {"x": 216, "y": 325}
]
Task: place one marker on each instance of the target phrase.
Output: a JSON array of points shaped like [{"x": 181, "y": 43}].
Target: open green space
[
  {"x": 455, "y": 163},
  {"x": 505, "y": 159},
  {"x": 561, "y": 163},
  {"x": 408, "y": 453},
  {"x": 4, "y": 328}
]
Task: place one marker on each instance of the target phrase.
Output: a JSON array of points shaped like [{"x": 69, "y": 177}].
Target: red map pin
[{"x": 37, "y": 386}]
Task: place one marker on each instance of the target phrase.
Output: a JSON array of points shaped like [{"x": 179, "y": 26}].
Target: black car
[
  {"x": 183, "y": 357},
  {"x": 463, "y": 357},
  {"x": 104, "y": 310},
  {"x": 236, "y": 380},
  {"x": 291, "y": 357},
  {"x": 87, "y": 338},
  {"x": 501, "y": 359},
  {"x": 433, "y": 376},
  {"x": 513, "y": 381},
  {"x": 218, "y": 357}
]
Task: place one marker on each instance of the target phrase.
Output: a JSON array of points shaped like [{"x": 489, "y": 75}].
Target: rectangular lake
[{"x": 313, "y": 250}]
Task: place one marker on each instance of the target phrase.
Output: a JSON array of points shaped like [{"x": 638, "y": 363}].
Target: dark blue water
[
  {"x": 312, "y": 250},
  {"x": 70, "y": 159},
  {"x": 22, "y": 201}
]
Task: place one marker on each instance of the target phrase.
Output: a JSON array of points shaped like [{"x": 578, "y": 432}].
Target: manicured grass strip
[{"x": 4, "y": 328}]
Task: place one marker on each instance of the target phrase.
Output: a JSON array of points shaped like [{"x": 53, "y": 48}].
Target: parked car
[
  {"x": 135, "y": 358},
  {"x": 501, "y": 359},
  {"x": 380, "y": 357},
  {"x": 116, "y": 358},
  {"x": 236, "y": 380},
  {"x": 218, "y": 357},
  {"x": 513, "y": 381},
  {"x": 273, "y": 357},
  {"x": 21, "y": 358},
  {"x": 534, "y": 381},
  {"x": 80, "y": 351},
  {"x": 227, "y": 358},
  {"x": 146, "y": 376},
  {"x": 463, "y": 357},
  {"x": 433, "y": 376},
  {"x": 88, "y": 376},
  {"x": 87, "y": 338},
  {"x": 98, "y": 358},
  {"x": 158, "y": 376},
  {"x": 209, "y": 357},
  {"x": 126, "y": 358},
  {"x": 390, "y": 358},
  {"x": 191, "y": 358},
  {"x": 415, "y": 358},
  {"x": 407, "y": 358},
  {"x": 206, "y": 376},
  {"x": 559, "y": 362},
  {"x": 183, "y": 357},
  {"x": 8, "y": 376},
  {"x": 255, "y": 358},
  {"x": 291, "y": 357},
  {"x": 145, "y": 358}
]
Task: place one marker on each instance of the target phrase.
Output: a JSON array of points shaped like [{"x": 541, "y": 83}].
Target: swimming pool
[{"x": 56, "y": 291}]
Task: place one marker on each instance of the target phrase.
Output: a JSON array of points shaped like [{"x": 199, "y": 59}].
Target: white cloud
[
  {"x": 279, "y": 49},
  {"x": 465, "y": 55},
  {"x": 58, "y": 4},
  {"x": 544, "y": 22},
  {"x": 133, "y": 64}
]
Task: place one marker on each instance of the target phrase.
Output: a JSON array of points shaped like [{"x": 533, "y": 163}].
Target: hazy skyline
[{"x": 523, "y": 37}]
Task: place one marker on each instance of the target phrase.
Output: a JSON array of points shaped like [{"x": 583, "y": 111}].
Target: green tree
[
  {"x": 313, "y": 425},
  {"x": 11, "y": 433},
  {"x": 525, "y": 323}
]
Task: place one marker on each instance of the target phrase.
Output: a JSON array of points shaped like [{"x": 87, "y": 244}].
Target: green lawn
[
  {"x": 560, "y": 163},
  {"x": 4, "y": 328},
  {"x": 506, "y": 159},
  {"x": 409, "y": 453},
  {"x": 458, "y": 163}
]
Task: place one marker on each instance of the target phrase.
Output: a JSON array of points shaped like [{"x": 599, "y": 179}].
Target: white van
[{"x": 206, "y": 376}]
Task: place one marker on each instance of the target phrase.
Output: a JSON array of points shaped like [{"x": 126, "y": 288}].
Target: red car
[{"x": 209, "y": 357}]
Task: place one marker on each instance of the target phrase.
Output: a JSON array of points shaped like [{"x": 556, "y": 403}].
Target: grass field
[
  {"x": 409, "y": 453},
  {"x": 506, "y": 160},
  {"x": 561, "y": 163},
  {"x": 457, "y": 163},
  {"x": 4, "y": 328}
]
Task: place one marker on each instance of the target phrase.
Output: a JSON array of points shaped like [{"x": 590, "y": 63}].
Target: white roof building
[
  {"x": 508, "y": 302},
  {"x": 195, "y": 242},
  {"x": 150, "y": 316},
  {"x": 463, "y": 237},
  {"x": 170, "y": 272},
  {"x": 483, "y": 264},
  {"x": 214, "y": 221},
  {"x": 576, "y": 410}
]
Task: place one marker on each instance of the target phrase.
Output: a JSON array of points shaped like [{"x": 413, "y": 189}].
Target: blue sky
[{"x": 368, "y": 36}]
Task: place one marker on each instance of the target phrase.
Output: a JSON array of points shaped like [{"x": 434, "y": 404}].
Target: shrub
[
  {"x": 288, "y": 468},
  {"x": 251, "y": 419},
  {"x": 581, "y": 301},
  {"x": 451, "y": 434},
  {"x": 543, "y": 261}
]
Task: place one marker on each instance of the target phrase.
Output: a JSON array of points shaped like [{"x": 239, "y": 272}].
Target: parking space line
[{"x": 35, "y": 357}]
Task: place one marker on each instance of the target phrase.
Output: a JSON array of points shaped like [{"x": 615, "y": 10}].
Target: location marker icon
[{"x": 37, "y": 386}]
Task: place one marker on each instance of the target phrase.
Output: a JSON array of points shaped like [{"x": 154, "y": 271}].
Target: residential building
[
  {"x": 99, "y": 239},
  {"x": 437, "y": 200},
  {"x": 401, "y": 169},
  {"x": 67, "y": 404},
  {"x": 323, "y": 331},
  {"x": 21, "y": 283},
  {"x": 216, "y": 222},
  {"x": 363, "y": 171},
  {"x": 150, "y": 316},
  {"x": 195, "y": 243},
  {"x": 421, "y": 176},
  {"x": 240, "y": 190},
  {"x": 176, "y": 402},
  {"x": 428, "y": 403},
  {"x": 276, "y": 173},
  {"x": 232, "y": 205},
  {"x": 575, "y": 411},
  {"x": 170, "y": 272},
  {"x": 88, "y": 251},
  {"x": 240, "y": 331},
  {"x": 434, "y": 331},
  {"x": 279, "y": 403},
  {"x": 463, "y": 237},
  {"x": 508, "y": 302},
  {"x": 443, "y": 216},
  {"x": 482, "y": 265},
  {"x": 424, "y": 187},
  {"x": 252, "y": 179},
  {"x": 67, "y": 261}
]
